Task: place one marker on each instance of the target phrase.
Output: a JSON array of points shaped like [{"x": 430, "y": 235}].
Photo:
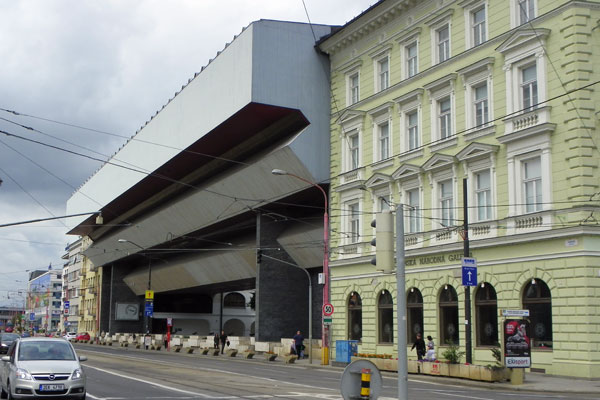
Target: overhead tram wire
[{"x": 128, "y": 138}]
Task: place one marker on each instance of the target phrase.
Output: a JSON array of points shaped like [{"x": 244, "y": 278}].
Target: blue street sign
[
  {"x": 32, "y": 316},
  {"x": 149, "y": 309},
  {"x": 67, "y": 304},
  {"x": 469, "y": 271}
]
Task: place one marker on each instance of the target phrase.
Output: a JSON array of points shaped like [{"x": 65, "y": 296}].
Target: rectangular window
[
  {"x": 353, "y": 82},
  {"x": 443, "y": 43},
  {"x": 483, "y": 195},
  {"x": 353, "y": 151},
  {"x": 384, "y": 203},
  {"x": 413, "y": 210},
  {"x": 529, "y": 87},
  {"x": 444, "y": 116},
  {"x": 526, "y": 11},
  {"x": 412, "y": 121},
  {"x": 532, "y": 184},
  {"x": 481, "y": 105},
  {"x": 384, "y": 73},
  {"x": 446, "y": 200},
  {"x": 411, "y": 60},
  {"x": 384, "y": 140},
  {"x": 354, "y": 222},
  {"x": 478, "y": 26}
]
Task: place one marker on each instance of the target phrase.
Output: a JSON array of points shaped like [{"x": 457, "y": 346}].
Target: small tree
[{"x": 453, "y": 353}]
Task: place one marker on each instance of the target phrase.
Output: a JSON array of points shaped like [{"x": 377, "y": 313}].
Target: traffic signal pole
[{"x": 401, "y": 307}]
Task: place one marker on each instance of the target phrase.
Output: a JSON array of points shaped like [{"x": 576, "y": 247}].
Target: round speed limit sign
[{"x": 327, "y": 310}]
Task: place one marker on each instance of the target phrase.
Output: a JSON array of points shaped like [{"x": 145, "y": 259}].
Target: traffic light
[
  {"x": 383, "y": 242},
  {"x": 258, "y": 256}
]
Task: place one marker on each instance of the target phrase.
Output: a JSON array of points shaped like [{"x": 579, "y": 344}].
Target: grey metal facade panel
[
  {"x": 289, "y": 71},
  {"x": 202, "y": 208}
]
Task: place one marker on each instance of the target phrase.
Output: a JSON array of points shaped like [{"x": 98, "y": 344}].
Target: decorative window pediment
[
  {"x": 385, "y": 108},
  {"x": 380, "y": 51},
  {"x": 438, "y": 84},
  {"x": 378, "y": 179},
  {"x": 413, "y": 95},
  {"x": 350, "y": 117},
  {"x": 522, "y": 37},
  {"x": 351, "y": 66},
  {"x": 480, "y": 66},
  {"x": 407, "y": 171},
  {"x": 476, "y": 150},
  {"x": 438, "y": 161},
  {"x": 409, "y": 36}
]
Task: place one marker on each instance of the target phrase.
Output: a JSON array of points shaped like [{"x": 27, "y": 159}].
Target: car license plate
[{"x": 52, "y": 388}]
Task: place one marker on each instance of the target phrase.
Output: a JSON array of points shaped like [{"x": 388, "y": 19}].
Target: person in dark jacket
[
  {"x": 298, "y": 344},
  {"x": 216, "y": 341},
  {"x": 420, "y": 345},
  {"x": 223, "y": 339}
]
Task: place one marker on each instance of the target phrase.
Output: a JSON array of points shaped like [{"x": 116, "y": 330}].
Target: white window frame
[
  {"x": 488, "y": 192},
  {"x": 413, "y": 221},
  {"x": 413, "y": 130},
  {"x": 350, "y": 91},
  {"x": 444, "y": 117},
  {"x": 411, "y": 63},
  {"x": 353, "y": 153},
  {"x": 351, "y": 125},
  {"x": 384, "y": 139},
  {"x": 535, "y": 181},
  {"x": 515, "y": 12},
  {"x": 440, "y": 91},
  {"x": 473, "y": 77},
  {"x": 518, "y": 57},
  {"x": 381, "y": 117},
  {"x": 407, "y": 105},
  {"x": 471, "y": 31},
  {"x": 446, "y": 44},
  {"x": 382, "y": 78},
  {"x": 531, "y": 85},
  {"x": 352, "y": 221},
  {"x": 445, "y": 204}
]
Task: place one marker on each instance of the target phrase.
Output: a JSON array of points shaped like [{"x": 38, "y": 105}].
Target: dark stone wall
[
  {"x": 120, "y": 294},
  {"x": 283, "y": 291}
]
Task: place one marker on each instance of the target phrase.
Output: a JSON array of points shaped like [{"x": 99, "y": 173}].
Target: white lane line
[
  {"x": 212, "y": 370},
  {"x": 149, "y": 382}
]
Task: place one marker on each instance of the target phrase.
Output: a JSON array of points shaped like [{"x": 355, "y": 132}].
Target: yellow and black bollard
[{"x": 365, "y": 383}]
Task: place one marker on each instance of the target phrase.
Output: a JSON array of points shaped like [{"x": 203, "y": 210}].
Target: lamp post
[
  {"x": 324, "y": 328},
  {"x": 146, "y": 316}
]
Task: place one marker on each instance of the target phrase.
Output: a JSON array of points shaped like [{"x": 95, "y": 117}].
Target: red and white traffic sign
[{"x": 328, "y": 309}]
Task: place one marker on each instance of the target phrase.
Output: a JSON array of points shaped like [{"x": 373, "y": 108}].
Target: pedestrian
[
  {"x": 430, "y": 356},
  {"x": 216, "y": 341},
  {"x": 298, "y": 339},
  {"x": 223, "y": 340},
  {"x": 420, "y": 345}
]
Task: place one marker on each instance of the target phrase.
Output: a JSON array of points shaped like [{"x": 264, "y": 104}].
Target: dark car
[{"x": 6, "y": 340}]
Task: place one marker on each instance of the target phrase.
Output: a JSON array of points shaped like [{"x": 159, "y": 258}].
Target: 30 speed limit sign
[{"x": 327, "y": 310}]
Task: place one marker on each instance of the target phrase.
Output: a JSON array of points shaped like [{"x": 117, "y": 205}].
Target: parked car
[
  {"x": 44, "y": 367},
  {"x": 6, "y": 340},
  {"x": 83, "y": 336},
  {"x": 8, "y": 329},
  {"x": 70, "y": 335}
]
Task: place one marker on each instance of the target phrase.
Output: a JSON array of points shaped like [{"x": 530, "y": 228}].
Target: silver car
[{"x": 40, "y": 367}]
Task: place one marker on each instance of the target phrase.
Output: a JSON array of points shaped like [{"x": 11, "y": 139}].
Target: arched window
[
  {"x": 236, "y": 300},
  {"x": 448, "y": 315},
  {"x": 537, "y": 299},
  {"x": 386, "y": 317},
  {"x": 414, "y": 313},
  {"x": 354, "y": 317},
  {"x": 486, "y": 309}
]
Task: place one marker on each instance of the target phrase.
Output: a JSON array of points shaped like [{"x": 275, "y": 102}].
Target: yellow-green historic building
[{"x": 504, "y": 94}]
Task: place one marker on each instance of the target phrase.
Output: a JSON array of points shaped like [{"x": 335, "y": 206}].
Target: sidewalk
[{"x": 534, "y": 382}]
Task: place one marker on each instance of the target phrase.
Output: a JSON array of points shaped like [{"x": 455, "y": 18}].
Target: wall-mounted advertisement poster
[
  {"x": 517, "y": 345},
  {"x": 127, "y": 312}
]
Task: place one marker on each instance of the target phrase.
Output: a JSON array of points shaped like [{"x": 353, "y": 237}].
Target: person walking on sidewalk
[
  {"x": 298, "y": 339},
  {"x": 223, "y": 339},
  {"x": 430, "y": 349},
  {"x": 420, "y": 345}
]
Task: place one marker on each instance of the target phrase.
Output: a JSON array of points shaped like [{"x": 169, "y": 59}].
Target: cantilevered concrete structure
[{"x": 192, "y": 197}]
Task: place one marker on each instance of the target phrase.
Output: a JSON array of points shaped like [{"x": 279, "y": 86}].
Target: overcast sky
[{"x": 106, "y": 66}]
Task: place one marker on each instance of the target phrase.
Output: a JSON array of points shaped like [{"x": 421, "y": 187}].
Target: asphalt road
[{"x": 115, "y": 374}]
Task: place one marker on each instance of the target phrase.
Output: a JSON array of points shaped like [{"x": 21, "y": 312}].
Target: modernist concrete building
[
  {"x": 188, "y": 203},
  {"x": 504, "y": 95}
]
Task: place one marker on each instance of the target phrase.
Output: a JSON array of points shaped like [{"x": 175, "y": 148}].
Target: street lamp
[
  {"x": 324, "y": 328},
  {"x": 146, "y": 316}
]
